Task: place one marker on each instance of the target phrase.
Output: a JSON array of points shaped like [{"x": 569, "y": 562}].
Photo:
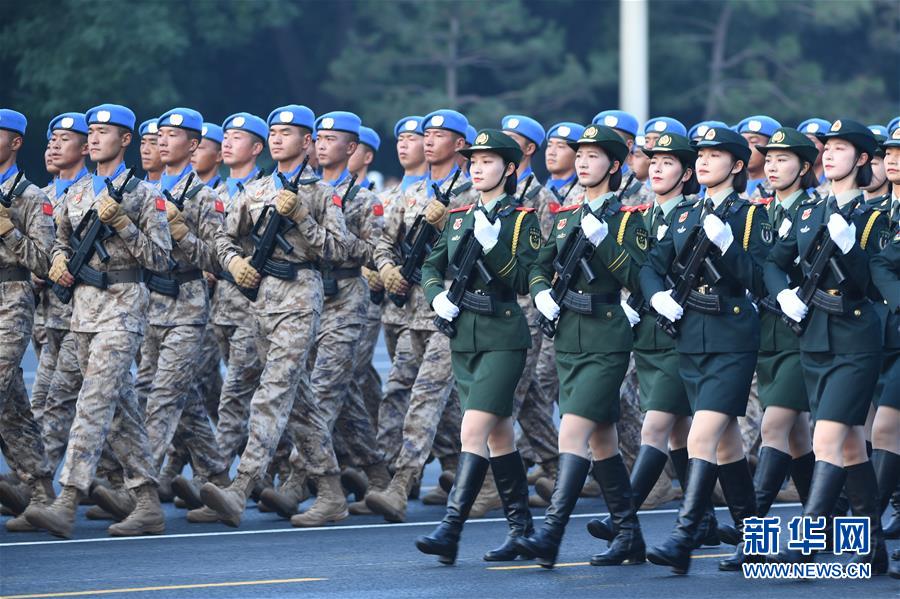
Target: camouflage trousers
[
  {"x": 107, "y": 411},
  {"x": 332, "y": 395},
  {"x": 447, "y": 440},
  {"x": 55, "y": 391},
  {"x": 545, "y": 372},
  {"x": 751, "y": 422},
  {"x": 173, "y": 405},
  {"x": 631, "y": 419},
  {"x": 208, "y": 372},
  {"x": 396, "y": 392}
]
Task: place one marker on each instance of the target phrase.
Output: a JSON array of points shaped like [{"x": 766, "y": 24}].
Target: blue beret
[
  {"x": 339, "y": 120},
  {"x": 446, "y": 119},
  {"x": 525, "y": 126},
  {"x": 408, "y": 124},
  {"x": 247, "y": 122},
  {"x": 895, "y": 122},
  {"x": 879, "y": 130},
  {"x": 617, "y": 119},
  {"x": 292, "y": 114},
  {"x": 212, "y": 132},
  {"x": 566, "y": 130},
  {"x": 13, "y": 121},
  {"x": 664, "y": 124},
  {"x": 369, "y": 137},
  {"x": 471, "y": 134},
  {"x": 112, "y": 114},
  {"x": 764, "y": 125},
  {"x": 183, "y": 118},
  {"x": 700, "y": 129},
  {"x": 814, "y": 126},
  {"x": 150, "y": 126},
  {"x": 70, "y": 121}
]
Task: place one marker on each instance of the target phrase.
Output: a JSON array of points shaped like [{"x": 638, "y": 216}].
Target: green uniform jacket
[
  {"x": 736, "y": 328},
  {"x": 648, "y": 336},
  {"x": 885, "y": 269},
  {"x": 509, "y": 261},
  {"x": 615, "y": 262},
  {"x": 860, "y": 329}
]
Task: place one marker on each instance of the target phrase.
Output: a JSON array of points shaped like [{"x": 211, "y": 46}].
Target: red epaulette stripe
[
  {"x": 462, "y": 208},
  {"x": 569, "y": 208},
  {"x": 554, "y": 207},
  {"x": 524, "y": 209}
]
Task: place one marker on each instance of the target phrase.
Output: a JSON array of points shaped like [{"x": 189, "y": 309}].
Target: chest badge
[
  {"x": 806, "y": 214},
  {"x": 561, "y": 224},
  {"x": 681, "y": 229},
  {"x": 683, "y": 217},
  {"x": 457, "y": 224},
  {"x": 77, "y": 198},
  {"x": 805, "y": 229}
]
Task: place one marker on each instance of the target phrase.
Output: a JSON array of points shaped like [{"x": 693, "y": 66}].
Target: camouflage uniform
[
  {"x": 637, "y": 193},
  {"x": 108, "y": 325}
]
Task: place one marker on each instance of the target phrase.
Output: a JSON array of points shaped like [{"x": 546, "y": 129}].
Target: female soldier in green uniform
[
  {"x": 840, "y": 348},
  {"x": 719, "y": 331},
  {"x": 786, "y": 440},
  {"x": 593, "y": 340},
  {"x": 667, "y": 411},
  {"x": 491, "y": 334}
]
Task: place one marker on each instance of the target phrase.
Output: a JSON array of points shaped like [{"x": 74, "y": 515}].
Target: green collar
[
  {"x": 669, "y": 205},
  {"x": 789, "y": 201},
  {"x": 499, "y": 200},
  {"x": 720, "y": 197},
  {"x": 597, "y": 202},
  {"x": 845, "y": 197}
]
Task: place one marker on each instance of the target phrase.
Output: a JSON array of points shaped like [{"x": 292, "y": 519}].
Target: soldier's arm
[
  {"x": 199, "y": 245},
  {"x": 869, "y": 232},
  {"x": 327, "y": 233},
  {"x": 627, "y": 256},
  {"x": 652, "y": 276},
  {"x": 540, "y": 276},
  {"x": 373, "y": 224},
  {"x": 32, "y": 244},
  {"x": 746, "y": 255},
  {"x": 885, "y": 268},
  {"x": 434, "y": 268},
  {"x": 385, "y": 251},
  {"x": 781, "y": 259},
  {"x": 63, "y": 233},
  {"x": 237, "y": 226},
  {"x": 513, "y": 263},
  {"x": 150, "y": 243},
  {"x": 363, "y": 233}
]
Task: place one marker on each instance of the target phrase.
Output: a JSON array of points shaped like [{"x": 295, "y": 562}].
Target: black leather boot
[
  {"x": 512, "y": 486},
  {"x": 862, "y": 491},
  {"x": 708, "y": 533},
  {"x": 801, "y": 474},
  {"x": 827, "y": 482},
  {"x": 892, "y": 530},
  {"x": 887, "y": 473},
  {"x": 648, "y": 465},
  {"x": 675, "y": 552},
  {"x": 544, "y": 545},
  {"x": 444, "y": 540},
  {"x": 771, "y": 470},
  {"x": 628, "y": 545},
  {"x": 737, "y": 485}
]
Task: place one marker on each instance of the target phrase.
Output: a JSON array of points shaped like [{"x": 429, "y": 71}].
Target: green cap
[
  {"x": 786, "y": 138},
  {"x": 675, "y": 144},
  {"x": 893, "y": 141},
  {"x": 606, "y": 138},
  {"x": 496, "y": 141},
  {"x": 726, "y": 139},
  {"x": 854, "y": 132}
]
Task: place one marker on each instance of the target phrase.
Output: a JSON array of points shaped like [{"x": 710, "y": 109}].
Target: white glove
[
  {"x": 485, "y": 232},
  {"x": 791, "y": 305},
  {"x": 661, "y": 232},
  {"x": 545, "y": 305},
  {"x": 785, "y": 228},
  {"x": 633, "y": 317},
  {"x": 843, "y": 235},
  {"x": 594, "y": 229},
  {"x": 443, "y": 307},
  {"x": 664, "y": 305},
  {"x": 718, "y": 232}
]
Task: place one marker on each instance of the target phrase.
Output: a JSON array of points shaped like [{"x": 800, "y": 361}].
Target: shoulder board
[
  {"x": 461, "y": 188},
  {"x": 524, "y": 209},
  {"x": 762, "y": 201},
  {"x": 352, "y": 193},
  {"x": 194, "y": 191},
  {"x": 462, "y": 208},
  {"x": 687, "y": 203},
  {"x": 532, "y": 193},
  {"x": 569, "y": 208},
  {"x": 132, "y": 185},
  {"x": 811, "y": 200},
  {"x": 643, "y": 207},
  {"x": 21, "y": 187},
  {"x": 308, "y": 181}
]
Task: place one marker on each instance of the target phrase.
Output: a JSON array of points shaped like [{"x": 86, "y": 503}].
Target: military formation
[{"x": 717, "y": 305}]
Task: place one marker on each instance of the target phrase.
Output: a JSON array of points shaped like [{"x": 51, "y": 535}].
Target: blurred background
[{"x": 551, "y": 59}]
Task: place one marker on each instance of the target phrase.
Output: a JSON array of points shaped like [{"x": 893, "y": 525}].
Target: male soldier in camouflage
[
  {"x": 288, "y": 306},
  {"x": 108, "y": 324},
  {"x": 757, "y": 130},
  {"x": 150, "y": 162},
  {"x": 38, "y": 334},
  {"x": 626, "y": 125},
  {"x": 26, "y": 233},
  {"x": 445, "y": 132}
]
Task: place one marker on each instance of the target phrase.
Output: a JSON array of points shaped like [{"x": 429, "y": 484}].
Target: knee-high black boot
[
  {"x": 444, "y": 540},
  {"x": 628, "y": 545},
  {"x": 512, "y": 486},
  {"x": 801, "y": 474},
  {"x": 887, "y": 471},
  {"x": 648, "y": 465},
  {"x": 862, "y": 491},
  {"x": 892, "y": 530},
  {"x": 708, "y": 534},
  {"x": 737, "y": 485},
  {"x": 675, "y": 552},
  {"x": 544, "y": 545},
  {"x": 771, "y": 470}
]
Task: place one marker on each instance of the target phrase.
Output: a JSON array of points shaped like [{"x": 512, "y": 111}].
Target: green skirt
[
  {"x": 718, "y": 382},
  {"x": 841, "y": 386},
  {"x": 486, "y": 380},
  {"x": 780, "y": 380},
  {"x": 589, "y": 384},
  {"x": 887, "y": 392},
  {"x": 660, "y": 382}
]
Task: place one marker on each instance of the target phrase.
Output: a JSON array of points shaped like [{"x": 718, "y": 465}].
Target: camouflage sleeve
[
  {"x": 149, "y": 242},
  {"x": 236, "y": 226},
  {"x": 32, "y": 237},
  {"x": 625, "y": 254},
  {"x": 199, "y": 244},
  {"x": 373, "y": 224},
  {"x": 434, "y": 268},
  {"x": 324, "y": 228},
  {"x": 513, "y": 264},
  {"x": 385, "y": 251},
  {"x": 63, "y": 233},
  {"x": 364, "y": 225}
]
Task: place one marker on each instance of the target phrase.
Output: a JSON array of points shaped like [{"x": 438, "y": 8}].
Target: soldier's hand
[
  {"x": 545, "y": 304},
  {"x": 59, "y": 271},
  {"x": 665, "y": 305},
  {"x": 177, "y": 226},
  {"x": 393, "y": 280},
  {"x": 436, "y": 214},
  {"x": 843, "y": 235},
  {"x": 443, "y": 307},
  {"x": 486, "y": 232},
  {"x": 38, "y": 282},
  {"x": 244, "y": 274},
  {"x": 594, "y": 229},
  {"x": 210, "y": 279},
  {"x": 290, "y": 205},
  {"x": 111, "y": 213},
  {"x": 718, "y": 232},
  {"x": 791, "y": 304},
  {"x": 6, "y": 224},
  {"x": 372, "y": 278},
  {"x": 630, "y": 313}
]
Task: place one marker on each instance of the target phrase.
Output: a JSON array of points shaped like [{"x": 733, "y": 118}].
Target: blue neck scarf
[
  {"x": 558, "y": 184},
  {"x": 99, "y": 183},
  {"x": 9, "y": 174},
  {"x": 61, "y": 186},
  {"x": 231, "y": 183},
  {"x": 408, "y": 180},
  {"x": 289, "y": 176},
  {"x": 168, "y": 182},
  {"x": 440, "y": 182}
]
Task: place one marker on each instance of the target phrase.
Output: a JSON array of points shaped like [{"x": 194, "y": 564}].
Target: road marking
[
  {"x": 573, "y": 564},
  {"x": 232, "y": 533},
  {"x": 174, "y": 587}
]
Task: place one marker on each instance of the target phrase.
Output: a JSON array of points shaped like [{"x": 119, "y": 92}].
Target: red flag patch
[
  {"x": 220, "y": 207},
  {"x": 336, "y": 200},
  {"x": 160, "y": 204},
  {"x": 47, "y": 208},
  {"x": 554, "y": 207},
  {"x": 378, "y": 210}
]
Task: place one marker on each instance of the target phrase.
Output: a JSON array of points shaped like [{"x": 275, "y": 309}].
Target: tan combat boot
[
  {"x": 230, "y": 502},
  {"x": 42, "y": 493},
  {"x": 147, "y": 517},
  {"x": 173, "y": 468},
  {"x": 391, "y": 503},
  {"x": 118, "y": 501},
  {"x": 57, "y": 518},
  {"x": 97, "y": 513},
  {"x": 438, "y": 495},
  {"x": 330, "y": 504},
  {"x": 379, "y": 479},
  {"x": 354, "y": 483},
  {"x": 488, "y": 499},
  {"x": 286, "y": 500},
  {"x": 202, "y": 515}
]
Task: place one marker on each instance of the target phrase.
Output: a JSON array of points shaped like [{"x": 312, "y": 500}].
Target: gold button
[
  {"x": 737, "y": 310},
  {"x": 508, "y": 312},
  {"x": 857, "y": 312},
  {"x": 609, "y": 314}
]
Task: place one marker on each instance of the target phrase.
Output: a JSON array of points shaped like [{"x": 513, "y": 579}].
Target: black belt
[
  {"x": 14, "y": 273},
  {"x": 587, "y": 303},
  {"x": 167, "y": 283},
  {"x": 342, "y": 273},
  {"x": 226, "y": 276},
  {"x": 282, "y": 269},
  {"x": 102, "y": 279},
  {"x": 707, "y": 298},
  {"x": 482, "y": 302},
  {"x": 833, "y": 301}
]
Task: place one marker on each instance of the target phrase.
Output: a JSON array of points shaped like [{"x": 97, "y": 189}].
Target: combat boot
[
  {"x": 57, "y": 518},
  {"x": 173, "y": 468},
  {"x": 438, "y": 495},
  {"x": 188, "y": 490},
  {"x": 286, "y": 499},
  {"x": 118, "y": 502},
  {"x": 97, "y": 513},
  {"x": 42, "y": 493},
  {"x": 330, "y": 504},
  {"x": 512, "y": 485},
  {"x": 627, "y": 547},
  {"x": 391, "y": 503},
  {"x": 354, "y": 483},
  {"x": 147, "y": 517},
  {"x": 545, "y": 475},
  {"x": 202, "y": 515},
  {"x": 229, "y": 502},
  {"x": 379, "y": 479},
  {"x": 488, "y": 499},
  {"x": 15, "y": 495}
]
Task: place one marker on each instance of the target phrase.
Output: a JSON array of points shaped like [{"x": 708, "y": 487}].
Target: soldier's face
[
  {"x": 239, "y": 147},
  {"x": 441, "y": 145},
  {"x": 782, "y": 168},
  {"x": 665, "y": 172},
  {"x": 819, "y": 146},
  {"x": 559, "y": 158},
  {"x": 48, "y": 164},
  {"x": 892, "y": 165},
  {"x": 640, "y": 164},
  {"x": 650, "y": 139},
  {"x": 879, "y": 177},
  {"x": 592, "y": 165},
  {"x": 410, "y": 150},
  {"x": 150, "y": 161},
  {"x": 757, "y": 160},
  {"x": 175, "y": 146},
  {"x": 840, "y": 158},
  {"x": 67, "y": 148},
  {"x": 105, "y": 142},
  {"x": 10, "y": 142},
  {"x": 207, "y": 157},
  {"x": 487, "y": 170},
  {"x": 528, "y": 147},
  {"x": 360, "y": 159},
  {"x": 334, "y": 148},
  {"x": 714, "y": 166},
  {"x": 287, "y": 142}
]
